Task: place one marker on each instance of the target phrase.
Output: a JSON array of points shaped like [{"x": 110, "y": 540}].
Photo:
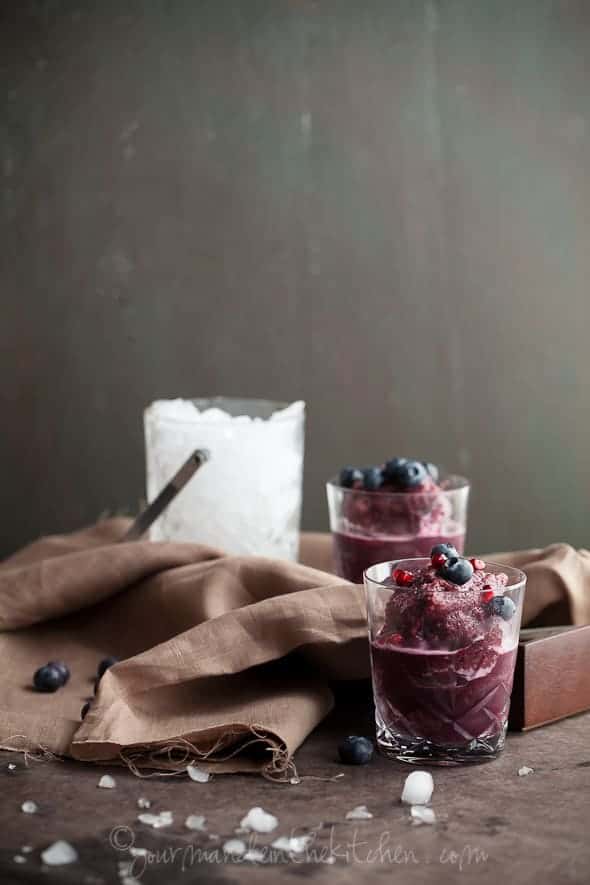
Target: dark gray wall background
[{"x": 380, "y": 207}]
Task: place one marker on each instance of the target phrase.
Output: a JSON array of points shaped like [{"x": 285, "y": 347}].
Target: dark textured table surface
[{"x": 492, "y": 825}]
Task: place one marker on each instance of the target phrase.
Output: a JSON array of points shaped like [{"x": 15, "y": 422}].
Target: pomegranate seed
[
  {"x": 487, "y": 595},
  {"x": 397, "y": 638},
  {"x": 438, "y": 559},
  {"x": 402, "y": 578},
  {"x": 478, "y": 564}
]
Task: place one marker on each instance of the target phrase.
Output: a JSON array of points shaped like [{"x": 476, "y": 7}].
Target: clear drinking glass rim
[
  {"x": 459, "y": 484},
  {"x": 419, "y": 562},
  {"x": 277, "y": 406}
]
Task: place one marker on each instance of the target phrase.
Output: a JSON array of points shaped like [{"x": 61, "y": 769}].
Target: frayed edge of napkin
[
  {"x": 31, "y": 752},
  {"x": 170, "y": 759}
]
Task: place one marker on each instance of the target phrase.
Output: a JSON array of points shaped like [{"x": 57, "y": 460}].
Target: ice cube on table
[
  {"x": 359, "y": 812},
  {"x": 197, "y": 774},
  {"x": 291, "y": 844},
  {"x": 59, "y": 853},
  {"x": 235, "y": 847},
  {"x": 422, "y": 815},
  {"x": 107, "y": 782},
  {"x": 259, "y": 820},
  {"x": 29, "y": 807},
  {"x": 418, "y": 788}
]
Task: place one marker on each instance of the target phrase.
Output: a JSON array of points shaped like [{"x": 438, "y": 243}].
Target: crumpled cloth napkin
[{"x": 226, "y": 661}]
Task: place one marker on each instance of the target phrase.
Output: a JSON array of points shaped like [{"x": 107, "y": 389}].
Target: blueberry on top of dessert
[
  {"x": 448, "y": 603},
  {"x": 395, "y": 475}
]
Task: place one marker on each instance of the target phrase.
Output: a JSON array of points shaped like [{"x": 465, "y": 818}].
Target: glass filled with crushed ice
[{"x": 247, "y": 497}]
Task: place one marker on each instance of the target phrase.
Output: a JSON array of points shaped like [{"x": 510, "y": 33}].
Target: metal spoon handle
[{"x": 168, "y": 493}]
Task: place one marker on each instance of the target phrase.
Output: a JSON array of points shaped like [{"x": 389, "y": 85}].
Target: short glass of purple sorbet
[
  {"x": 443, "y": 635},
  {"x": 372, "y": 526}
]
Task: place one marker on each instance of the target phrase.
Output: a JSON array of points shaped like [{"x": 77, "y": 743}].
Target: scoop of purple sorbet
[{"x": 436, "y": 613}]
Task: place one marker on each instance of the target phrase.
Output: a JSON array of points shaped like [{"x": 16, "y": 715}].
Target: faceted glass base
[{"x": 422, "y": 751}]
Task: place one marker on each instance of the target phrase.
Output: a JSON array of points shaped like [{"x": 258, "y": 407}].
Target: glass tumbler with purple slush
[
  {"x": 374, "y": 526},
  {"x": 442, "y": 657}
]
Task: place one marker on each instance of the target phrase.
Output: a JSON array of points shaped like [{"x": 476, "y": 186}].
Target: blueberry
[
  {"x": 47, "y": 678},
  {"x": 350, "y": 475},
  {"x": 84, "y": 710},
  {"x": 355, "y": 750},
  {"x": 372, "y": 478},
  {"x": 503, "y": 606},
  {"x": 407, "y": 475},
  {"x": 105, "y": 664},
  {"x": 391, "y": 468},
  {"x": 446, "y": 549},
  {"x": 457, "y": 570},
  {"x": 431, "y": 469},
  {"x": 63, "y": 669}
]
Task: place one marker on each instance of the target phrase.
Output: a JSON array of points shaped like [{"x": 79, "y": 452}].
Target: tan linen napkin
[{"x": 227, "y": 661}]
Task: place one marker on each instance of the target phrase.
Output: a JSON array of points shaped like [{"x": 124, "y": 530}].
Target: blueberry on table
[
  {"x": 355, "y": 750},
  {"x": 63, "y": 669},
  {"x": 407, "y": 475},
  {"x": 445, "y": 549},
  {"x": 105, "y": 664},
  {"x": 372, "y": 479},
  {"x": 457, "y": 570},
  {"x": 503, "y": 606},
  {"x": 47, "y": 678},
  {"x": 349, "y": 476}
]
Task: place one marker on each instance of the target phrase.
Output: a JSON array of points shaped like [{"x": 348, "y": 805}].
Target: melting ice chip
[
  {"x": 157, "y": 821},
  {"x": 255, "y": 855},
  {"x": 142, "y": 802},
  {"x": 107, "y": 782},
  {"x": 197, "y": 774},
  {"x": 418, "y": 788},
  {"x": 259, "y": 820},
  {"x": 59, "y": 853},
  {"x": 360, "y": 812},
  {"x": 29, "y": 807},
  {"x": 522, "y": 772},
  {"x": 234, "y": 847},
  {"x": 195, "y": 822},
  {"x": 292, "y": 844},
  {"x": 422, "y": 815}
]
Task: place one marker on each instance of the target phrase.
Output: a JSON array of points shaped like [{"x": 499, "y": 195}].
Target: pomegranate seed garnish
[
  {"x": 397, "y": 638},
  {"x": 487, "y": 595},
  {"x": 402, "y": 578},
  {"x": 478, "y": 564},
  {"x": 438, "y": 559}
]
